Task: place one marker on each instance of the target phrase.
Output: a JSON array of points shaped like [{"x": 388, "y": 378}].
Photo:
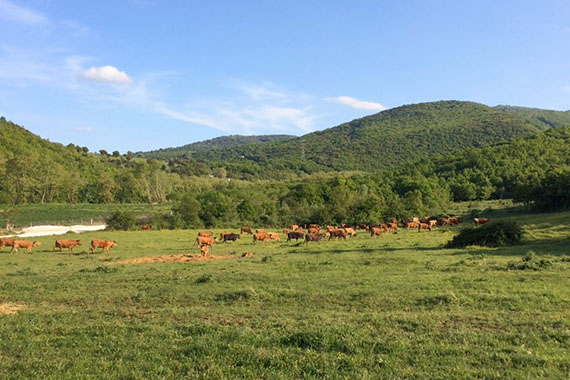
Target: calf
[
  {"x": 274, "y": 236},
  {"x": 24, "y": 244},
  {"x": 66, "y": 244},
  {"x": 245, "y": 230},
  {"x": 147, "y": 227}
]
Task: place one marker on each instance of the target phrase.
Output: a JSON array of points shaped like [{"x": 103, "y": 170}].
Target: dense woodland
[{"x": 457, "y": 161}]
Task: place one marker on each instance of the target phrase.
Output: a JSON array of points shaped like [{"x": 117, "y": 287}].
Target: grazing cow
[
  {"x": 147, "y": 227},
  {"x": 394, "y": 225},
  {"x": 205, "y": 234},
  {"x": 314, "y": 226},
  {"x": 375, "y": 231},
  {"x": 260, "y": 237},
  {"x": 6, "y": 242},
  {"x": 432, "y": 223},
  {"x": 260, "y": 231},
  {"x": 314, "y": 230},
  {"x": 205, "y": 240},
  {"x": 350, "y": 231},
  {"x": 274, "y": 236},
  {"x": 104, "y": 244},
  {"x": 66, "y": 244},
  {"x": 24, "y": 244},
  {"x": 411, "y": 225},
  {"x": 313, "y": 237},
  {"x": 338, "y": 233},
  {"x": 362, "y": 226},
  {"x": 230, "y": 237},
  {"x": 424, "y": 226},
  {"x": 384, "y": 226},
  {"x": 205, "y": 250},
  {"x": 292, "y": 227},
  {"x": 478, "y": 221},
  {"x": 295, "y": 235},
  {"x": 245, "y": 230},
  {"x": 454, "y": 220},
  {"x": 331, "y": 228}
]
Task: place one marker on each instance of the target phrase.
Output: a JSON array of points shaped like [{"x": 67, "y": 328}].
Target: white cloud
[
  {"x": 358, "y": 104},
  {"x": 84, "y": 129},
  {"x": 566, "y": 88},
  {"x": 20, "y": 14},
  {"x": 108, "y": 74}
]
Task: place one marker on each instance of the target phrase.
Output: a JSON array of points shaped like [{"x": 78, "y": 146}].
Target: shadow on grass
[{"x": 553, "y": 247}]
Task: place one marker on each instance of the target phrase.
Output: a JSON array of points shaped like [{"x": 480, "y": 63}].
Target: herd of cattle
[
  {"x": 313, "y": 233},
  {"x": 59, "y": 244}
]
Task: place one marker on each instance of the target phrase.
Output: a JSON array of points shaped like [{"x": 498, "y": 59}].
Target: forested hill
[
  {"x": 384, "y": 140},
  {"x": 541, "y": 119},
  {"x": 216, "y": 143}
]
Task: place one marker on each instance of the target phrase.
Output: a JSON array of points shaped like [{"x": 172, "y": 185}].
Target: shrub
[
  {"x": 121, "y": 220},
  {"x": 498, "y": 234}
]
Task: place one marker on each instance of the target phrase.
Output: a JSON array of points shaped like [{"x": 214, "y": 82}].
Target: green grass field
[{"x": 393, "y": 307}]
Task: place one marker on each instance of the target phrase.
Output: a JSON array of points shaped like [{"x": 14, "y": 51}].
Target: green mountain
[
  {"x": 541, "y": 119},
  {"x": 215, "y": 143},
  {"x": 383, "y": 140}
]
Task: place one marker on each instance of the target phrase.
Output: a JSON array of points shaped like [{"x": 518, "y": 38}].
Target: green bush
[
  {"x": 498, "y": 234},
  {"x": 121, "y": 220}
]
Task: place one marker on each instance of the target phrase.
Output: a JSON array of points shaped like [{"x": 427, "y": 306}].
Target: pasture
[{"x": 392, "y": 307}]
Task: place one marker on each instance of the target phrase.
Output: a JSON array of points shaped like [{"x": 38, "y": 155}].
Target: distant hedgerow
[{"x": 498, "y": 234}]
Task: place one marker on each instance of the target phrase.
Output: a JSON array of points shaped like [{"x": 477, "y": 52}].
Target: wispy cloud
[
  {"x": 357, "y": 104},
  {"x": 566, "y": 88},
  {"x": 109, "y": 74},
  {"x": 17, "y": 13}
]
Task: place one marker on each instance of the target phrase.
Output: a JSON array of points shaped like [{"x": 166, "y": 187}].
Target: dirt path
[{"x": 181, "y": 258}]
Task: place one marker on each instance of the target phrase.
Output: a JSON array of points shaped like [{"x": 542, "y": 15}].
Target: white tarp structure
[{"x": 57, "y": 230}]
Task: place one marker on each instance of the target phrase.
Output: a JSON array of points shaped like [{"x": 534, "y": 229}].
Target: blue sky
[{"x": 147, "y": 74}]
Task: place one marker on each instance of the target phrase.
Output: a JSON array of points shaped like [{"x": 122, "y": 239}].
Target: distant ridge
[{"x": 384, "y": 140}]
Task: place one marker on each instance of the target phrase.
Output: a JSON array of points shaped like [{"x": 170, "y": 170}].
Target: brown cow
[
  {"x": 260, "y": 237},
  {"x": 104, "y": 244},
  {"x": 147, "y": 227},
  {"x": 205, "y": 234},
  {"x": 245, "y": 230},
  {"x": 66, "y": 244},
  {"x": 274, "y": 236},
  {"x": 350, "y": 231},
  {"x": 338, "y": 233},
  {"x": 7, "y": 242},
  {"x": 411, "y": 225},
  {"x": 314, "y": 230},
  {"x": 24, "y": 244},
  {"x": 292, "y": 226},
  {"x": 205, "y": 240},
  {"x": 478, "y": 221},
  {"x": 375, "y": 231},
  {"x": 424, "y": 226},
  {"x": 260, "y": 231}
]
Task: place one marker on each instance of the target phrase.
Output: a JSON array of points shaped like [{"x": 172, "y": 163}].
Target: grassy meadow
[{"x": 392, "y": 307}]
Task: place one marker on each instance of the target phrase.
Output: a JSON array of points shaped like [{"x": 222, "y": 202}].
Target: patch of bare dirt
[
  {"x": 10, "y": 308},
  {"x": 182, "y": 258}
]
